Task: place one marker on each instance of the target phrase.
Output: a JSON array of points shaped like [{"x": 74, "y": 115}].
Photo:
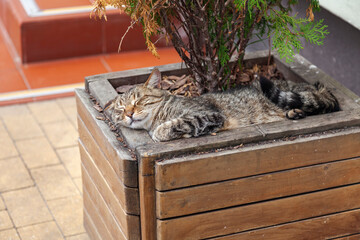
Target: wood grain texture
[
  {"x": 147, "y": 198},
  {"x": 326, "y": 227},
  {"x": 119, "y": 226},
  {"x": 253, "y": 189},
  {"x": 251, "y": 134},
  {"x": 126, "y": 196},
  {"x": 268, "y": 213},
  {"x": 351, "y": 237},
  {"x": 119, "y": 157},
  {"x": 248, "y": 161},
  {"x": 90, "y": 228},
  {"x": 99, "y": 226},
  {"x": 105, "y": 198},
  {"x": 106, "y": 217}
]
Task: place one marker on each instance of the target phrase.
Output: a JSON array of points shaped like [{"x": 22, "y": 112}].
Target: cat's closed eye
[{"x": 148, "y": 100}]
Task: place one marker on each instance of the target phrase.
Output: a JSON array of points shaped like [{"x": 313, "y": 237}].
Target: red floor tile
[
  {"x": 6, "y": 62},
  {"x": 140, "y": 59},
  {"x": 46, "y": 4},
  {"x": 10, "y": 81},
  {"x": 62, "y": 72}
]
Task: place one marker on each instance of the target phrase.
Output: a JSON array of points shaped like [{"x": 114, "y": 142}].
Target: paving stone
[
  {"x": 83, "y": 236},
  {"x": 7, "y": 147},
  {"x": 54, "y": 182},
  {"x": 22, "y": 126},
  {"x": 2, "y": 204},
  {"x": 13, "y": 175},
  {"x": 78, "y": 183},
  {"x": 5, "y": 221},
  {"x": 42, "y": 231},
  {"x": 66, "y": 102},
  {"x": 10, "y": 234},
  {"x": 26, "y": 207},
  {"x": 61, "y": 134},
  {"x": 47, "y": 111},
  {"x": 68, "y": 105},
  {"x": 37, "y": 152},
  {"x": 14, "y": 110},
  {"x": 68, "y": 213},
  {"x": 71, "y": 159}
]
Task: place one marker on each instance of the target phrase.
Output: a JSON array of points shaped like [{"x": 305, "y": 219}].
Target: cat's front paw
[
  {"x": 161, "y": 133},
  {"x": 166, "y": 132}
]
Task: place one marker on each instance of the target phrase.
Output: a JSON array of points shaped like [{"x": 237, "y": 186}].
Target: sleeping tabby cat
[{"x": 168, "y": 117}]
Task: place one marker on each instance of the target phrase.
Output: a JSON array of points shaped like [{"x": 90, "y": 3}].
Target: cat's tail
[{"x": 312, "y": 99}]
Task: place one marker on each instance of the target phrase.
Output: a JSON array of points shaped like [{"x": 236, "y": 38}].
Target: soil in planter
[{"x": 185, "y": 85}]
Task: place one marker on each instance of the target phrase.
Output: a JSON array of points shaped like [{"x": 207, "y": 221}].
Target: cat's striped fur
[{"x": 168, "y": 117}]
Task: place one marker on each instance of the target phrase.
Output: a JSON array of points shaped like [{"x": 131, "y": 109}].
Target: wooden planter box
[{"x": 283, "y": 180}]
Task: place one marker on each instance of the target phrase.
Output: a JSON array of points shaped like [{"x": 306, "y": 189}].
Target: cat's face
[{"x": 135, "y": 108}]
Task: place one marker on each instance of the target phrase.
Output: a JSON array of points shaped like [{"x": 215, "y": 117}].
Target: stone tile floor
[{"x": 40, "y": 177}]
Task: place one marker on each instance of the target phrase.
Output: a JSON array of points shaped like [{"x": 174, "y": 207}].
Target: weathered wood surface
[
  {"x": 351, "y": 237},
  {"x": 98, "y": 188},
  {"x": 89, "y": 226},
  {"x": 251, "y": 134},
  {"x": 212, "y": 167},
  {"x": 147, "y": 198},
  {"x": 94, "y": 202},
  {"x": 326, "y": 227},
  {"x": 93, "y": 222},
  {"x": 126, "y": 196},
  {"x": 270, "y": 213},
  {"x": 247, "y": 190},
  {"x": 119, "y": 157},
  {"x": 312, "y": 124}
]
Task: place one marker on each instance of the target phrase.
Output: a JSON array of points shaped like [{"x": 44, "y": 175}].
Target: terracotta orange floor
[
  {"x": 24, "y": 82},
  {"x": 17, "y": 78},
  {"x": 46, "y": 4}
]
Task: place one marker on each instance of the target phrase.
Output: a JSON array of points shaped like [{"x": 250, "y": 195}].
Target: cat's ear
[{"x": 154, "y": 79}]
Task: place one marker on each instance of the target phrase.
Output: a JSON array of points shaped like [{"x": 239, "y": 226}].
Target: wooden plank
[
  {"x": 147, "y": 198},
  {"x": 264, "y": 187},
  {"x": 130, "y": 224},
  {"x": 90, "y": 227},
  {"x": 268, "y": 213},
  {"x": 351, "y": 237},
  {"x": 127, "y": 197},
  {"x": 94, "y": 224},
  {"x": 247, "y": 161},
  {"x": 119, "y": 157},
  {"x": 318, "y": 228},
  {"x": 252, "y": 134},
  {"x": 312, "y": 124},
  {"x": 205, "y": 143},
  {"x": 102, "y": 91},
  {"x": 93, "y": 203}
]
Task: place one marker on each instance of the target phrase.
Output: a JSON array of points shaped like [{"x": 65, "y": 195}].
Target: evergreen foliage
[{"x": 218, "y": 31}]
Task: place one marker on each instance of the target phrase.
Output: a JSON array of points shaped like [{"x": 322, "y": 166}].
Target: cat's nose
[{"x": 129, "y": 114}]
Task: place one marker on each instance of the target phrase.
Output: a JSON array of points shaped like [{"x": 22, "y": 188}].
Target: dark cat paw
[{"x": 295, "y": 114}]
